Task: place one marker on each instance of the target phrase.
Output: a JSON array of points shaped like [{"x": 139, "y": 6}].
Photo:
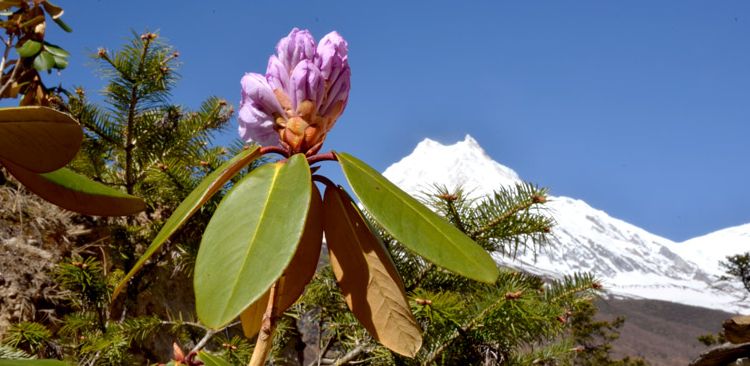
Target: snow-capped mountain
[
  {"x": 708, "y": 250},
  {"x": 630, "y": 261}
]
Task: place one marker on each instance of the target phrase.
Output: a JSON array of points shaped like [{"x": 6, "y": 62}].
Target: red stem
[
  {"x": 321, "y": 157},
  {"x": 327, "y": 182},
  {"x": 274, "y": 149}
]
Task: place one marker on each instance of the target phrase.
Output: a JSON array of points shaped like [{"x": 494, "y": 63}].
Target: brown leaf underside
[{"x": 367, "y": 276}]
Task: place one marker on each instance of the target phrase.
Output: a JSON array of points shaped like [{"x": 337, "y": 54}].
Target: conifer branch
[
  {"x": 521, "y": 206},
  {"x": 129, "y": 141},
  {"x": 467, "y": 327}
]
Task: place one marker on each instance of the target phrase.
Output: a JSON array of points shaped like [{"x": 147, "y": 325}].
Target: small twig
[
  {"x": 11, "y": 77},
  {"x": 202, "y": 343},
  {"x": 7, "y": 52},
  {"x": 351, "y": 355},
  {"x": 324, "y": 349}
]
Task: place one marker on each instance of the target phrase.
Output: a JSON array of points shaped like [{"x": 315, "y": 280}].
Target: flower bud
[
  {"x": 304, "y": 91},
  {"x": 297, "y": 46},
  {"x": 258, "y": 111}
]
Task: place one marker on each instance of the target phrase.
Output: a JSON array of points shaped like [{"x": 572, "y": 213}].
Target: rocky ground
[{"x": 34, "y": 235}]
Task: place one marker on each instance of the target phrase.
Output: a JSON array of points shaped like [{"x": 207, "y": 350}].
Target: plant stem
[
  {"x": 130, "y": 142},
  {"x": 321, "y": 157},
  {"x": 265, "y": 337},
  {"x": 274, "y": 149}
]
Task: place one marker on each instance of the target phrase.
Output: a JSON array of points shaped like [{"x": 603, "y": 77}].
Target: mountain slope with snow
[
  {"x": 630, "y": 261},
  {"x": 708, "y": 250}
]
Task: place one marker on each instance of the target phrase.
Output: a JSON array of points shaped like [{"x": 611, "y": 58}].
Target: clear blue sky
[{"x": 640, "y": 108}]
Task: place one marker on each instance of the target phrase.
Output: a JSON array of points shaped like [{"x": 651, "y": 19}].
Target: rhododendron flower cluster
[{"x": 304, "y": 91}]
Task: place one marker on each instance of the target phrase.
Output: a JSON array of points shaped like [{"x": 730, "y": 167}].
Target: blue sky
[{"x": 640, "y": 108}]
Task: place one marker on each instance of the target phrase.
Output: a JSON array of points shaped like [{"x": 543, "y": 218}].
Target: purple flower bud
[
  {"x": 304, "y": 91},
  {"x": 306, "y": 84},
  {"x": 258, "y": 108},
  {"x": 277, "y": 74},
  {"x": 339, "y": 91},
  {"x": 257, "y": 126},
  {"x": 297, "y": 46},
  {"x": 332, "y": 55}
]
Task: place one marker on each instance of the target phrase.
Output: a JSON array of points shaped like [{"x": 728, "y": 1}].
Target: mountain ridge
[{"x": 631, "y": 262}]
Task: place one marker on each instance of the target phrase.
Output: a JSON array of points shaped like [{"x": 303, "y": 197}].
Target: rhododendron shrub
[{"x": 263, "y": 243}]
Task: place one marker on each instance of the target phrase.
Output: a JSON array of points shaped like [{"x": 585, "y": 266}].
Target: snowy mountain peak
[
  {"x": 464, "y": 164},
  {"x": 629, "y": 260}
]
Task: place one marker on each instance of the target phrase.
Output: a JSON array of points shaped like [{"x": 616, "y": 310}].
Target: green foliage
[
  {"x": 520, "y": 319},
  {"x": 415, "y": 226},
  {"x": 141, "y": 141},
  {"x": 85, "y": 282},
  {"x": 28, "y": 336},
  {"x": 11, "y": 353},
  {"x": 712, "y": 339},
  {"x": 236, "y": 350},
  {"x": 261, "y": 220},
  {"x": 36, "y": 139},
  {"x": 737, "y": 267},
  {"x": 593, "y": 338},
  {"x": 24, "y": 23},
  {"x": 202, "y": 193}
]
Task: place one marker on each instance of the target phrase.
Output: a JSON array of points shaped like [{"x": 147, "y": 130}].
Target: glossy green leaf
[
  {"x": 416, "y": 226},
  {"x": 297, "y": 274},
  {"x": 34, "y": 362},
  {"x": 39, "y": 139},
  {"x": 212, "y": 360},
  {"x": 44, "y": 61},
  {"x": 211, "y": 184},
  {"x": 251, "y": 239},
  {"x": 29, "y": 48},
  {"x": 75, "y": 192}
]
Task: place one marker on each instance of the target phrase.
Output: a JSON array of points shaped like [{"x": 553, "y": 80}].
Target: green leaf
[
  {"x": 29, "y": 48},
  {"x": 297, "y": 274},
  {"x": 60, "y": 55},
  {"x": 211, "y": 184},
  {"x": 74, "y": 192},
  {"x": 60, "y": 62},
  {"x": 39, "y": 139},
  {"x": 64, "y": 26},
  {"x": 416, "y": 226},
  {"x": 251, "y": 239},
  {"x": 44, "y": 61},
  {"x": 212, "y": 360},
  {"x": 56, "y": 50},
  {"x": 33, "y": 362}
]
